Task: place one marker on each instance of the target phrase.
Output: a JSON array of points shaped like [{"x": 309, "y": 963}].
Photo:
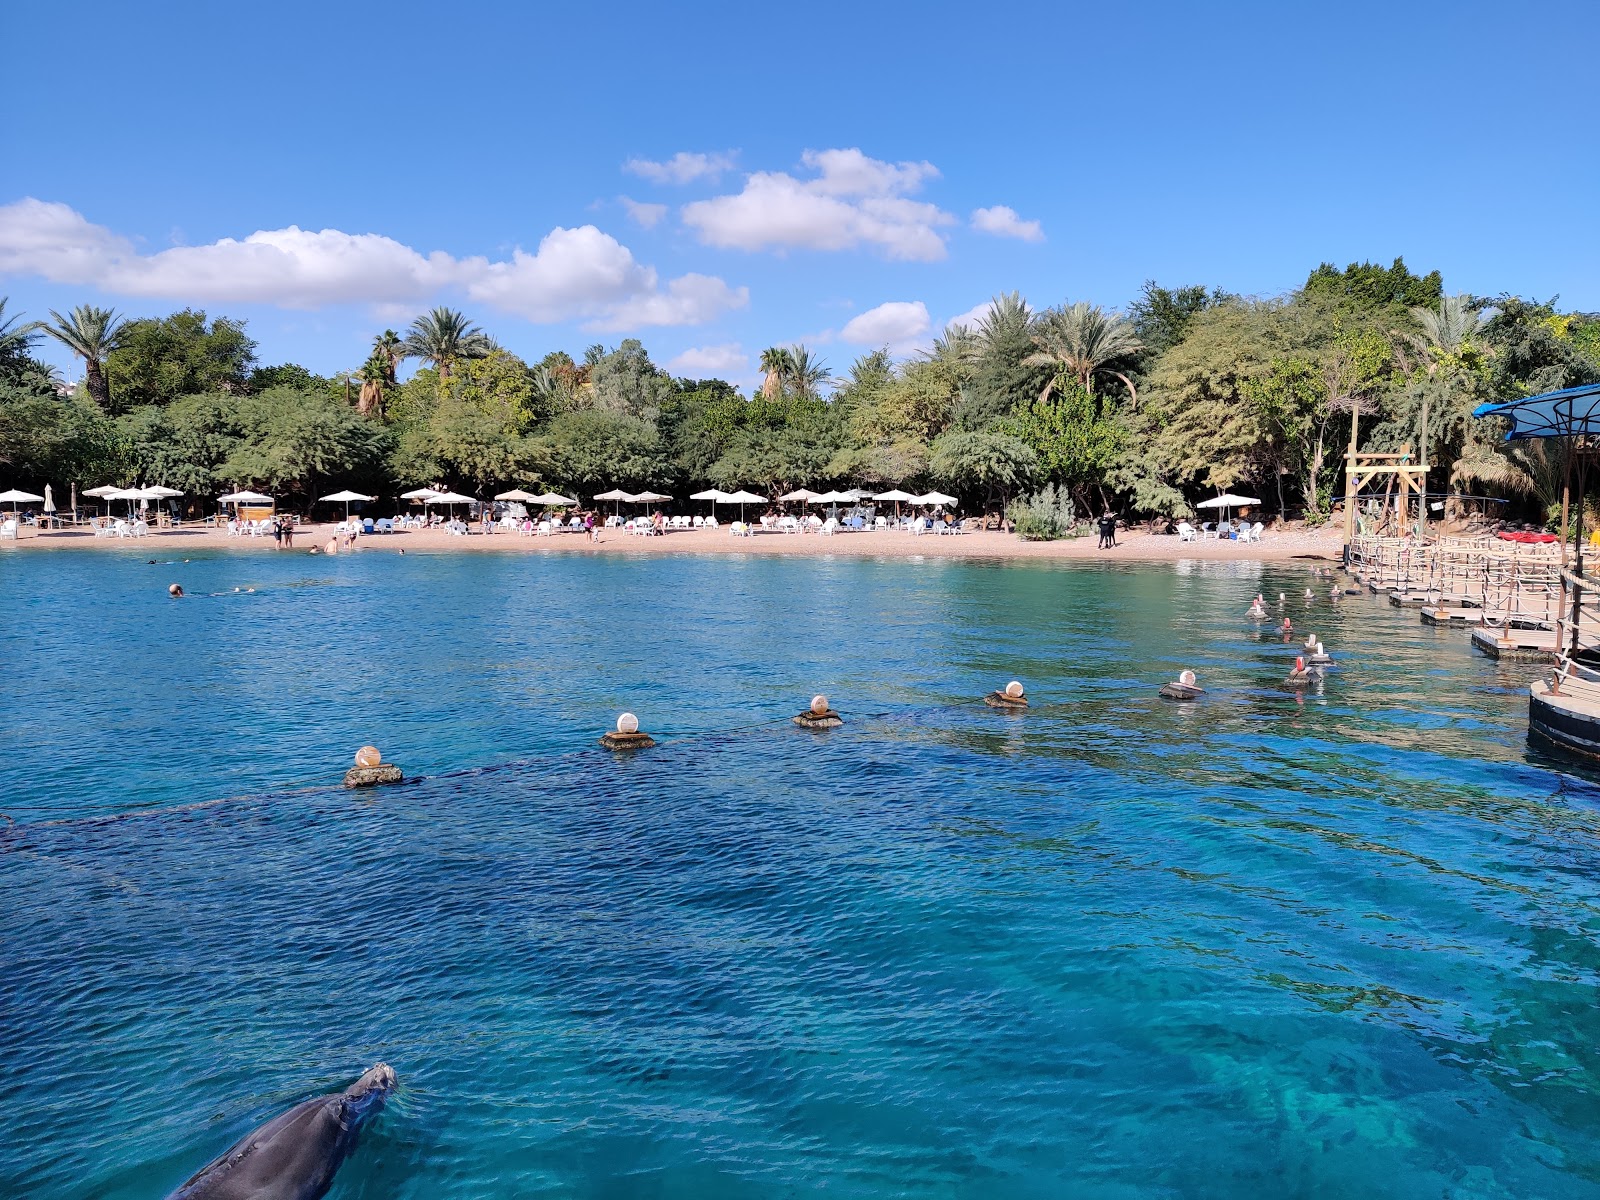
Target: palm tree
[
  {"x": 1008, "y": 319},
  {"x": 92, "y": 334},
  {"x": 1448, "y": 329},
  {"x": 806, "y": 376},
  {"x": 443, "y": 338},
  {"x": 775, "y": 362},
  {"x": 389, "y": 346},
  {"x": 1444, "y": 344},
  {"x": 1083, "y": 340},
  {"x": 379, "y": 374},
  {"x": 16, "y": 340}
]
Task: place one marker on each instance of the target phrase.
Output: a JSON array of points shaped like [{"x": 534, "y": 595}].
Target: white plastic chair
[
  {"x": 1186, "y": 531},
  {"x": 830, "y": 527}
]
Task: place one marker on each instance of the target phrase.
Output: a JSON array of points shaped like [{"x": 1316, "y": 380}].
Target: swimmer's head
[{"x": 174, "y": 590}]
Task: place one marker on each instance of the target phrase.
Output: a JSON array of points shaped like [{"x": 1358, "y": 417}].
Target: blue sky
[{"x": 718, "y": 178}]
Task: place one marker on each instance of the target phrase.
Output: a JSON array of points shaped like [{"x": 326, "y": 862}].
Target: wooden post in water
[{"x": 1350, "y": 481}]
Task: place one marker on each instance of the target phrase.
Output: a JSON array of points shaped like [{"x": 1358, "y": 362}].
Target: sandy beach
[{"x": 1131, "y": 545}]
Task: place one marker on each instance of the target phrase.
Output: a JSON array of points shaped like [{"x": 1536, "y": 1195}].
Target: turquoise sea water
[{"x": 1331, "y": 945}]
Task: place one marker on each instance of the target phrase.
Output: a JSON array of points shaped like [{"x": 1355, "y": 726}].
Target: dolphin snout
[{"x": 380, "y": 1078}]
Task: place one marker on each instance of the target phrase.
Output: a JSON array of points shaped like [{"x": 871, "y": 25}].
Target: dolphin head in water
[
  {"x": 295, "y": 1155},
  {"x": 367, "y": 1094}
]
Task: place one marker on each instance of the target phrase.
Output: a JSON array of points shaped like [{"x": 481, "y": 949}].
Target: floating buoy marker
[
  {"x": 819, "y": 715},
  {"x": 626, "y": 735},
  {"x": 1183, "y": 687},
  {"x": 1008, "y": 697},
  {"x": 370, "y": 770},
  {"x": 1299, "y": 677},
  {"x": 1320, "y": 656}
]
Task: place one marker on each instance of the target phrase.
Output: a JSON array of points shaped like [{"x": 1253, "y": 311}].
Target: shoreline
[{"x": 987, "y": 545}]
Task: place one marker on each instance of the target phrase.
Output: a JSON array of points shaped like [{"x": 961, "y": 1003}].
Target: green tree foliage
[
  {"x": 157, "y": 359},
  {"x": 442, "y": 338},
  {"x": 295, "y": 442},
  {"x": 1367, "y": 288},
  {"x": 625, "y": 382},
  {"x": 987, "y": 464},
  {"x": 1079, "y": 341},
  {"x": 1161, "y": 316},
  {"x": 591, "y": 449},
  {"x": 184, "y": 444},
  {"x": 93, "y": 334},
  {"x": 1002, "y": 377},
  {"x": 1073, "y": 442}
]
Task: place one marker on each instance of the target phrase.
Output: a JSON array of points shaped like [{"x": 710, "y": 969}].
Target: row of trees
[{"x": 1193, "y": 389}]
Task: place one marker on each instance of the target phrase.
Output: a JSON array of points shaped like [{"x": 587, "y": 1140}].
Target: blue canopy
[{"x": 1554, "y": 414}]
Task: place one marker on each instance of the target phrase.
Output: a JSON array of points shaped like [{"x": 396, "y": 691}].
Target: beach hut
[{"x": 246, "y": 497}]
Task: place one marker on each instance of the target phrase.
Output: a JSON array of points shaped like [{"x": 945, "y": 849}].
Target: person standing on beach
[
  {"x": 1108, "y": 530},
  {"x": 288, "y": 535}
]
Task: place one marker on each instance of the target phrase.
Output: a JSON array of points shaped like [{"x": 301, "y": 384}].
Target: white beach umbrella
[
  {"x": 552, "y": 500},
  {"x": 617, "y": 495},
  {"x": 741, "y": 498},
  {"x": 1228, "y": 501},
  {"x": 804, "y": 495},
  {"x": 345, "y": 497},
  {"x": 933, "y": 498},
  {"x": 244, "y": 497},
  {"x": 652, "y": 498},
  {"x": 102, "y": 494},
  {"x": 453, "y": 499},
  {"x": 423, "y": 494},
  {"x": 894, "y": 494},
  {"x": 16, "y": 497},
  {"x": 713, "y": 495},
  {"x": 49, "y": 499},
  {"x": 520, "y": 496}
]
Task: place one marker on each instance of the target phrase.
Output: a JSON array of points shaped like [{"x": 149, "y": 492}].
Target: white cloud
[
  {"x": 39, "y": 237},
  {"x": 688, "y": 300},
  {"x": 1004, "y": 222},
  {"x": 973, "y": 317},
  {"x": 576, "y": 274},
  {"x": 647, "y": 216},
  {"x": 682, "y": 167},
  {"x": 899, "y": 324},
  {"x": 708, "y": 362},
  {"x": 852, "y": 173},
  {"x": 855, "y": 200}
]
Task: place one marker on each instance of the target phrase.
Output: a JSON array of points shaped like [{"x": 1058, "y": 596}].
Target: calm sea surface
[{"x": 1333, "y": 945}]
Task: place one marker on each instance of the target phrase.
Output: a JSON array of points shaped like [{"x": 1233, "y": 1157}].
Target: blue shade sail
[{"x": 1554, "y": 414}]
